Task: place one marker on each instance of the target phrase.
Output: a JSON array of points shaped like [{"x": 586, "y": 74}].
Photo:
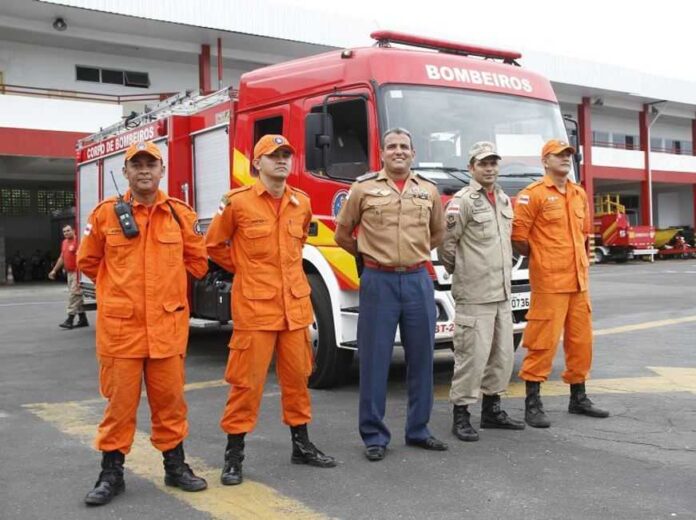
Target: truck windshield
[{"x": 445, "y": 123}]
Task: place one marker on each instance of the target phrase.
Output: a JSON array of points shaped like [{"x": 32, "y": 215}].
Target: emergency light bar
[{"x": 384, "y": 38}]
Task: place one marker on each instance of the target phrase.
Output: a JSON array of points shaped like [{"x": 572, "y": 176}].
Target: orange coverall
[
  {"x": 556, "y": 226},
  {"x": 143, "y": 317},
  {"x": 271, "y": 306}
]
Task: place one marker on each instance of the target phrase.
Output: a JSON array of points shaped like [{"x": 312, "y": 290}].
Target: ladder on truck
[{"x": 184, "y": 103}]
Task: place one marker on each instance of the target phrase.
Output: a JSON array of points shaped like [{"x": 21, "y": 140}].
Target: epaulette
[
  {"x": 241, "y": 189},
  {"x": 298, "y": 190},
  {"x": 367, "y": 176},
  {"x": 535, "y": 184},
  {"x": 179, "y": 202},
  {"x": 113, "y": 198},
  {"x": 462, "y": 192},
  {"x": 419, "y": 174},
  {"x": 225, "y": 200}
]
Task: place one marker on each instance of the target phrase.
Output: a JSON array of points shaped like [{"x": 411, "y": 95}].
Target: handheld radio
[{"x": 124, "y": 212}]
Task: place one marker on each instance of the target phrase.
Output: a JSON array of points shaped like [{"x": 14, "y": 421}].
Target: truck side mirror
[{"x": 318, "y": 138}]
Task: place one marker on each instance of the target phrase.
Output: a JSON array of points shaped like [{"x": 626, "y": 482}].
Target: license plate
[{"x": 520, "y": 301}]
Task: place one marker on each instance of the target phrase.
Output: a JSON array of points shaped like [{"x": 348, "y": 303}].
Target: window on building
[
  {"x": 112, "y": 76},
  {"x": 600, "y": 138},
  {"x": 348, "y": 150},
  {"x": 632, "y": 142},
  {"x": 136, "y": 79},
  {"x": 15, "y": 201},
  {"x": 656, "y": 144},
  {"x": 87, "y": 74},
  {"x": 48, "y": 201},
  {"x": 618, "y": 140}
]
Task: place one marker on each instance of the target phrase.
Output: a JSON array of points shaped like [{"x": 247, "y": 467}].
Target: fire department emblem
[
  {"x": 278, "y": 140},
  {"x": 337, "y": 203},
  {"x": 141, "y": 146}
]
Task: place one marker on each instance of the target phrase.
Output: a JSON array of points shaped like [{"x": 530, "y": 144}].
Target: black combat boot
[
  {"x": 110, "y": 482},
  {"x": 68, "y": 323},
  {"x": 581, "y": 404},
  {"x": 493, "y": 417},
  {"x": 81, "y": 321},
  {"x": 234, "y": 456},
  {"x": 534, "y": 414},
  {"x": 461, "y": 424},
  {"x": 304, "y": 452},
  {"x": 178, "y": 474}
]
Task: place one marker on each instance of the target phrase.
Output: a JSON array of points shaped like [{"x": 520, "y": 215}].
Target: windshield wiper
[
  {"x": 524, "y": 175},
  {"x": 461, "y": 174}
]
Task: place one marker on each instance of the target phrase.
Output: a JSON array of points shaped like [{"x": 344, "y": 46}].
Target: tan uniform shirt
[
  {"x": 477, "y": 247},
  {"x": 395, "y": 226}
]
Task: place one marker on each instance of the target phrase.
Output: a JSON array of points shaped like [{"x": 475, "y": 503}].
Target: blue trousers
[{"x": 388, "y": 299}]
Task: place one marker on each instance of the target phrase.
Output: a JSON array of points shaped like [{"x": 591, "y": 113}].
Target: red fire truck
[
  {"x": 333, "y": 108},
  {"x": 615, "y": 238}
]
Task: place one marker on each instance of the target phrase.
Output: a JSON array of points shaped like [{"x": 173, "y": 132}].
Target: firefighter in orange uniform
[
  {"x": 258, "y": 235},
  {"x": 551, "y": 224},
  {"x": 143, "y": 318}
]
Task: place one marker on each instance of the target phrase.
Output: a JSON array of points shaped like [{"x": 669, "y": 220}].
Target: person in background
[{"x": 68, "y": 261}]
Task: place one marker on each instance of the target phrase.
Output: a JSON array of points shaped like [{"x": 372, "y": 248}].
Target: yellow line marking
[
  {"x": 669, "y": 379},
  {"x": 201, "y": 385},
  {"x": 644, "y": 326},
  {"x": 249, "y": 501}
]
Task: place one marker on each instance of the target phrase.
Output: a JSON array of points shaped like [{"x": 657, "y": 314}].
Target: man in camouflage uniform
[{"x": 478, "y": 252}]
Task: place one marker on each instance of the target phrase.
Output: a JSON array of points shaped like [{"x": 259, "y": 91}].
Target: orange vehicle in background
[{"x": 615, "y": 238}]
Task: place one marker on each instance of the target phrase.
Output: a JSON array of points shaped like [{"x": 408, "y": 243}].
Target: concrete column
[
  {"x": 204, "y": 69},
  {"x": 645, "y": 204},
  {"x": 585, "y": 140}
]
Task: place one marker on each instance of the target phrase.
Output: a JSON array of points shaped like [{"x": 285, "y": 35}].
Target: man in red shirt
[{"x": 68, "y": 261}]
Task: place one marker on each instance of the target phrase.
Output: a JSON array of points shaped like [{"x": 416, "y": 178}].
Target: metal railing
[{"x": 662, "y": 149}]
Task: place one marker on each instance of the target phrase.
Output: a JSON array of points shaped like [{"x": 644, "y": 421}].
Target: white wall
[
  {"x": 672, "y": 128},
  {"x": 672, "y": 162},
  {"x": 50, "y": 67},
  {"x": 615, "y": 121},
  {"x": 56, "y": 114},
  {"x": 617, "y": 157},
  {"x": 674, "y": 206}
]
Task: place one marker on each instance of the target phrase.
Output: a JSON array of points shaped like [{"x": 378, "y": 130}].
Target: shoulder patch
[
  {"x": 367, "y": 176},
  {"x": 421, "y": 176}
]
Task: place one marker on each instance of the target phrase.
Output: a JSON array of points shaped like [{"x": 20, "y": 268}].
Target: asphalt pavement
[{"x": 638, "y": 464}]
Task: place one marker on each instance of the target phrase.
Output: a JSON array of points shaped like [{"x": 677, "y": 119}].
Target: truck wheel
[
  {"x": 330, "y": 362},
  {"x": 598, "y": 256}
]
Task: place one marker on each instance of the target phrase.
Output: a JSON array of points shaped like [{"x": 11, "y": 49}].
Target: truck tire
[
  {"x": 599, "y": 256},
  {"x": 330, "y": 362}
]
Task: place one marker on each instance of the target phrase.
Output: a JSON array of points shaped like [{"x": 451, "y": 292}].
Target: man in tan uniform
[
  {"x": 401, "y": 220},
  {"x": 478, "y": 251}
]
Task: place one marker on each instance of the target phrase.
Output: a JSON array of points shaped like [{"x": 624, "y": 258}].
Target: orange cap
[
  {"x": 269, "y": 143},
  {"x": 147, "y": 147},
  {"x": 555, "y": 146}
]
